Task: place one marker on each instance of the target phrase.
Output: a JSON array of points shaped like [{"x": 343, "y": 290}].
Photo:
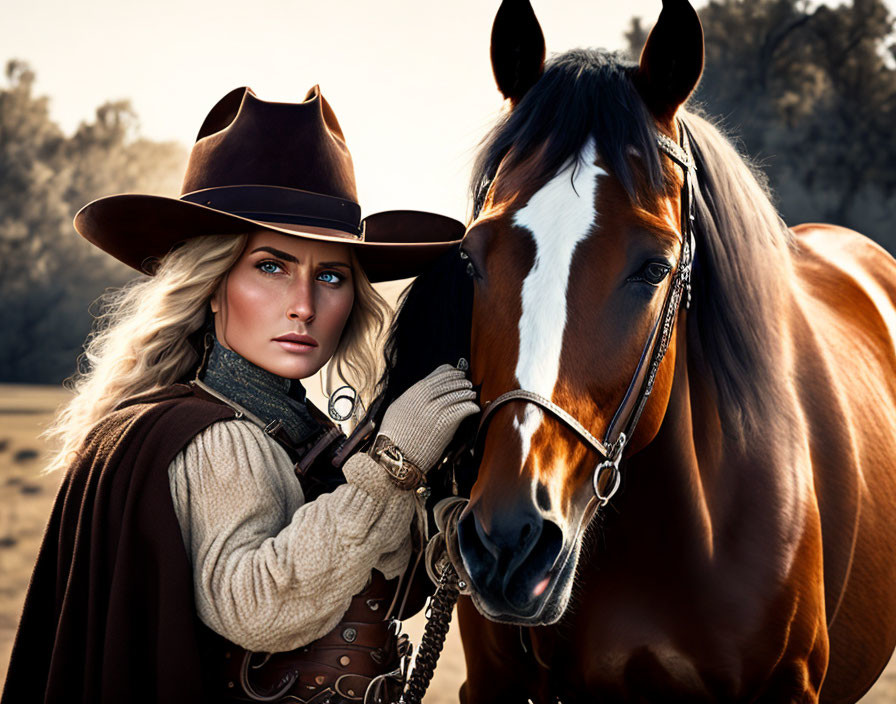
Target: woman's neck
[{"x": 266, "y": 395}]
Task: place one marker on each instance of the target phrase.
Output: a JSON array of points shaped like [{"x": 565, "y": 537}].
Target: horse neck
[{"x": 695, "y": 484}]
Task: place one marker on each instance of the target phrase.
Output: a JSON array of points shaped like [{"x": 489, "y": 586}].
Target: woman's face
[{"x": 284, "y": 303}]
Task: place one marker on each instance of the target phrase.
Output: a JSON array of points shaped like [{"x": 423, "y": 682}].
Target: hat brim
[{"x": 141, "y": 229}]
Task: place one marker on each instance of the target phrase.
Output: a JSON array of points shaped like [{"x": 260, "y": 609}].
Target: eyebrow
[
  {"x": 277, "y": 253},
  {"x": 285, "y": 256}
]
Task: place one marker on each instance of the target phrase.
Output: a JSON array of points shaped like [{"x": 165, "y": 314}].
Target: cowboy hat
[{"x": 276, "y": 166}]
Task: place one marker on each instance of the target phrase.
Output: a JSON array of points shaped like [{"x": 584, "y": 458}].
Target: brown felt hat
[{"x": 277, "y": 166}]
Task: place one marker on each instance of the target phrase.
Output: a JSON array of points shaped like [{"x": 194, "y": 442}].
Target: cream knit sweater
[{"x": 271, "y": 572}]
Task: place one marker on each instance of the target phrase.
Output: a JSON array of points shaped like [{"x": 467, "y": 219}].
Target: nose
[
  {"x": 508, "y": 553},
  {"x": 300, "y": 305}
]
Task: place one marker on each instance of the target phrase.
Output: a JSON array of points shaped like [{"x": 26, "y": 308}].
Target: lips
[{"x": 295, "y": 338}]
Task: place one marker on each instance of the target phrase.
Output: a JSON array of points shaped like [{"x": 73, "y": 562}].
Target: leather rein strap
[{"x": 606, "y": 477}]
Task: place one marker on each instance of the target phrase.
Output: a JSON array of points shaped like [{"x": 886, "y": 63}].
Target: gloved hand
[{"x": 422, "y": 421}]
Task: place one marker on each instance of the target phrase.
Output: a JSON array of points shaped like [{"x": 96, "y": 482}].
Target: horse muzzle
[{"x": 515, "y": 561}]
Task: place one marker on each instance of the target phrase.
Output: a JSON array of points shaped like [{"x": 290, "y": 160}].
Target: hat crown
[
  {"x": 248, "y": 141},
  {"x": 282, "y": 167}
]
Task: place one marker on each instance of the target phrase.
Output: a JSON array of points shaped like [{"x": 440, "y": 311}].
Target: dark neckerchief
[{"x": 270, "y": 397}]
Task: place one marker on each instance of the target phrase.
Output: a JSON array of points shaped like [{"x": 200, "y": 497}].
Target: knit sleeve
[{"x": 270, "y": 572}]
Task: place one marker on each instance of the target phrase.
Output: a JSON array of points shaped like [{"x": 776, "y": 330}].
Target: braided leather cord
[{"x": 433, "y": 639}]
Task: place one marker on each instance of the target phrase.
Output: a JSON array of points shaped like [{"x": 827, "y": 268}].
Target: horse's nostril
[
  {"x": 512, "y": 556},
  {"x": 532, "y": 573},
  {"x": 478, "y": 552}
]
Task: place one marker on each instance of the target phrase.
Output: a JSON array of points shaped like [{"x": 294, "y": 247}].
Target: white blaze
[{"x": 558, "y": 217}]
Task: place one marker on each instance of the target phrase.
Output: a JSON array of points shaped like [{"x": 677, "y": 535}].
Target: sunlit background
[
  {"x": 411, "y": 84},
  {"x": 410, "y": 80}
]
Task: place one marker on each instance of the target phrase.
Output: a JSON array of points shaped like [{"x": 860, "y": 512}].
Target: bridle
[
  {"x": 606, "y": 476},
  {"x": 444, "y": 561}
]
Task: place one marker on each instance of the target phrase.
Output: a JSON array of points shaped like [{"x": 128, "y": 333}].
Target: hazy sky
[{"x": 409, "y": 80}]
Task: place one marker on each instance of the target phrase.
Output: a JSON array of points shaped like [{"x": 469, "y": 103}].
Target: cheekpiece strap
[
  {"x": 679, "y": 288},
  {"x": 676, "y": 152}
]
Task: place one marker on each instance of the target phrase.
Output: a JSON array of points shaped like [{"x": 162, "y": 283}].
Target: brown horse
[{"x": 749, "y": 553}]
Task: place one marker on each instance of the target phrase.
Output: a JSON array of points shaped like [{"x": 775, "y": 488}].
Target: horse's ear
[
  {"x": 517, "y": 49},
  {"x": 672, "y": 60}
]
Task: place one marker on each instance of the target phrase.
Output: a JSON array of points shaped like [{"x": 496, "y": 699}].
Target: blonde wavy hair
[{"x": 140, "y": 341}]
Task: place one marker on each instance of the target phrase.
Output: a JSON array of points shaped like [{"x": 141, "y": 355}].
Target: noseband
[{"x": 606, "y": 477}]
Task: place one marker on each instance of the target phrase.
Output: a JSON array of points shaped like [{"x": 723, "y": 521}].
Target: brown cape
[{"x": 109, "y": 615}]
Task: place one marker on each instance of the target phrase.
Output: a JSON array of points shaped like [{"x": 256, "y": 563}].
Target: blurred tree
[
  {"x": 49, "y": 275},
  {"x": 636, "y": 38},
  {"x": 811, "y": 92},
  {"x": 853, "y": 125}
]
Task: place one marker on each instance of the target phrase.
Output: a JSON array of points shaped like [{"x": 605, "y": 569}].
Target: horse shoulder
[
  {"x": 832, "y": 260},
  {"x": 843, "y": 329},
  {"x": 846, "y": 294}
]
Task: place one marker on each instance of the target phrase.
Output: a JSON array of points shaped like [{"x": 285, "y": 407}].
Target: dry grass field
[{"x": 26, "y": 497}]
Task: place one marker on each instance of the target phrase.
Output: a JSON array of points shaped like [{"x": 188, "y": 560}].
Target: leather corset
[{"x": 336, "y": 668}]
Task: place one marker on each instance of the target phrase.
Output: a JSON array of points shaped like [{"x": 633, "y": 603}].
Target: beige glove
[{"x": 422, "y": 421}]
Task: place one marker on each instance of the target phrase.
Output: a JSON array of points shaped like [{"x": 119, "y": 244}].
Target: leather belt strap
[{"x": 341, "y": 664}]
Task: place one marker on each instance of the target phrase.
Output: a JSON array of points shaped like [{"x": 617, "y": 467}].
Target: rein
[{"x": 606, "y": 477}]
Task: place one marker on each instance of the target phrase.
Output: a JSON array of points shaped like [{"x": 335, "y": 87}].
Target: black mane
[
  {"x": 583, "y": 93},
  {"x": 432, "y": 326}
]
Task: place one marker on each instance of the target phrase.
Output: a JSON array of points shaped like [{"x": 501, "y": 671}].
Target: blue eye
[
  {"x": 269, "y": 267},
  {"x": 330, "y": 277}
]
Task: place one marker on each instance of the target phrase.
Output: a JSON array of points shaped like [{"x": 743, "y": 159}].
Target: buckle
[
  {"x": 606, "y": 475},
  {"x": 403, "y": 473}
]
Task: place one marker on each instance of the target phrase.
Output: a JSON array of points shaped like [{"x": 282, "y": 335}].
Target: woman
[{"x": 181, "y": 544}]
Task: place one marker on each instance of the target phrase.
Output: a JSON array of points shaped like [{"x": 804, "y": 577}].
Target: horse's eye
[
  {"x": 652, "y": 273},
  {"x": 471, "y": 270}
]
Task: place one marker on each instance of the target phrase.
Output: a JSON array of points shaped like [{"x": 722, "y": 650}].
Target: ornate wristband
[{"x": 403, "y": 473}]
